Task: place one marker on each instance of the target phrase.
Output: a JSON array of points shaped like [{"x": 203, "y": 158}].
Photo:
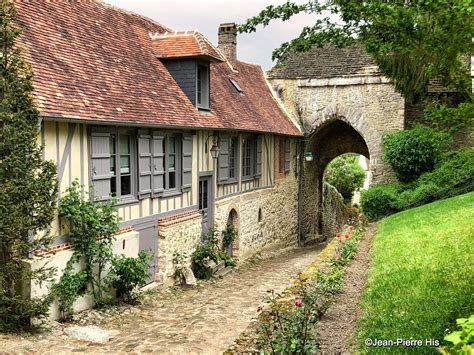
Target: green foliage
[
  {"x": 420, "y": 279},
  {"x": 228, "y": 236},
  {"x": 92, "y": 228},
  {"x": 286, "y": 322},
  {"x": 200, "y": 258},
  {"x": 127, "y": 274},
  {"x": 346, "y": 175},
  {"x": 179, "y": 263},
  {"x": 209, "y": 251},
  {"x": 228, "y": 260},
  {"x": 28, "y": 184},
  {"x": 412, "y": 42},
  {"x": 452, "y": 119},
  {"x": 70, "y": 286},
  {"x": 286, "y": 327},
  {"x": 379, "y": 201},
  {"x": 413, "y": 152},
  {"x": 453, "y": 176},
  {"x": 462, "y": 340}
]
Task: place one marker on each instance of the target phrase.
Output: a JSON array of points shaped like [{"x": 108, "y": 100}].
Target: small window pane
[
  {"x": 124, "y": 165},
  {"x": 124, "y": 144},
  {"x": 112, "y": 144},
  {"x": 172, "y": 180},
  {"x": 113, "y": 186},
  {"x": 125, "y": 185},
  {"x": 112, "y": 165},
  {"x": 171, "y": 145}
]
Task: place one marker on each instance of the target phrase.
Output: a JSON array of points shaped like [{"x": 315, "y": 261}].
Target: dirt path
[
  {"x": 206, "y": 319},
  {"x": 337, "y": 327}
]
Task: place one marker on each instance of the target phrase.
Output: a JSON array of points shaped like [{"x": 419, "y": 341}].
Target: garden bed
[{"x": 286, "y": 322}]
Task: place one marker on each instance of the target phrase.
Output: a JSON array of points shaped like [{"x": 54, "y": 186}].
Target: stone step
[
  {"x": 223, "y": 272},
  {"x": 220, "y": 265}
]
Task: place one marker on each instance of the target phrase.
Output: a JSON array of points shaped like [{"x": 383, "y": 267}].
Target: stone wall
[
  {"x": 369, "y": 104},
  {"x": 176, "y": 234},
  {"x": 278, "y": 224}
]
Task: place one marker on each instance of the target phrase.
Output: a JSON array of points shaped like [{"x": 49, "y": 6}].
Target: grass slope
[{"x": 422, "y": 275}]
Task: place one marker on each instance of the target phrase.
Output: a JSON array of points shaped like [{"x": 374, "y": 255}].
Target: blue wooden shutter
[
  {"x": 187, "y": 162},
  {"x": 223, "y": 159},
  {"x": 158, "y": 168},
  {"x": 144, "y": 164},
  {"x": 100, "y": 164},
  {"x": 287, "y": 155},
  {"x": 258, "y": 172}
]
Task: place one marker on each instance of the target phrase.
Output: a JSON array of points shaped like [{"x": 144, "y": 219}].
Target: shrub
[
  {"x": 228, "y": 260},
  {"x": 462, "y": 340},
  {"x": 453, "y": 176},
  {"x": 128, "y": 273},
  {"x": 379, "y": 201},
  {"x": 414, "y": 152},
  {"x": 200, "y": 259},
  {"x": 346, "y": 175}
]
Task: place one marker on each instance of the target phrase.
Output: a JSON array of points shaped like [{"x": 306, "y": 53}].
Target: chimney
[{"x": 227, "y": 42}]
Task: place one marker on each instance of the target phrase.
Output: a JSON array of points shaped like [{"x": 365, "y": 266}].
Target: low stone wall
[
  {"x": 335, "y": 212},
  {"x": 177, "y": 234},
  {"x": 126, "y": 243}
]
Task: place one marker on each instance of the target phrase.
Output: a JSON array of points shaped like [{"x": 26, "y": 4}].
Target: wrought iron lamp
[{"x": 215, "y": 146}]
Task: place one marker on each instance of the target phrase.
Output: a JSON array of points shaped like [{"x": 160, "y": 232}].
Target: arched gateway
[{"x": 343, "y": 105}]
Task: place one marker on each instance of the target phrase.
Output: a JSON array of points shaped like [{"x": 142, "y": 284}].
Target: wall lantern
[
  {"x": 215, "y": 146},
  {"x": 308, "y": 156}
]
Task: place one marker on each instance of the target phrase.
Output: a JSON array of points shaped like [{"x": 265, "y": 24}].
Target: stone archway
[{"x": 332, "y": 137}]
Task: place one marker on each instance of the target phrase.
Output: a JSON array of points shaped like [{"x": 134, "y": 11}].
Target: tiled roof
[
  {"x": 329, "y": 61},
  {"x": 95, "y": 62},
  {"x": 183, "y": 44}
]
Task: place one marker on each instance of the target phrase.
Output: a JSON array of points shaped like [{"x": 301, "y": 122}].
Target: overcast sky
[{"x": 206, "y": 15}]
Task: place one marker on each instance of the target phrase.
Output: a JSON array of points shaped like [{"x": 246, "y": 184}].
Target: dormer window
[{"x": 202, "y": 86}]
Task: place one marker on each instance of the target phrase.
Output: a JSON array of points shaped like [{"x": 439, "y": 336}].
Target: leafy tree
[
  {"x": 28, "y": 184},
  {"x": 346, "y": 175},
  {"x": 412, "y": 41}
]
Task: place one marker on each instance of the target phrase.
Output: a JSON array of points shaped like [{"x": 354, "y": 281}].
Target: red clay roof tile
[
  {"x": 98, "y": 63},
  {"x": 183, "y": 44}
]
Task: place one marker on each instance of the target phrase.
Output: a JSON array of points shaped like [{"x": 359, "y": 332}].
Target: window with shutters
[
  {"x": 116, "y": 179},
  {"x": 281, "y": 155},
  {"x": 233, "y": 152},
  {"x": 247, "y": 166},
  {"x": 252, "y": 157},
  {"x": 287, "y": 155},
  {"x": 172, "y": 167}
]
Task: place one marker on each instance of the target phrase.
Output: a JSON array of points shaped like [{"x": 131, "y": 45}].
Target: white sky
[{"x": 206, "y": 15}]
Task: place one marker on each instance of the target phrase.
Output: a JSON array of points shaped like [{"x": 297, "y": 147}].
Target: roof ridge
[{"x": 128, "y": 12}]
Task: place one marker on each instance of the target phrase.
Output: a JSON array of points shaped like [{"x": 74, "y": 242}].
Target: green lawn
[{"x": 422, "y": 275}]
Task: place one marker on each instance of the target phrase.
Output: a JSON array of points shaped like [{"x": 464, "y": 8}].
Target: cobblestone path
[{"x": 202, "y": 320}]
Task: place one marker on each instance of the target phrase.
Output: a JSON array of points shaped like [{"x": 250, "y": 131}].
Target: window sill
[
  {"x": 247, "y": 178},
  {"x": 171, "y": 193},
  {"x": 203, "y": 108},
  {"x": 228, "y": 182},
  {"x": 126, "y": 201}
]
